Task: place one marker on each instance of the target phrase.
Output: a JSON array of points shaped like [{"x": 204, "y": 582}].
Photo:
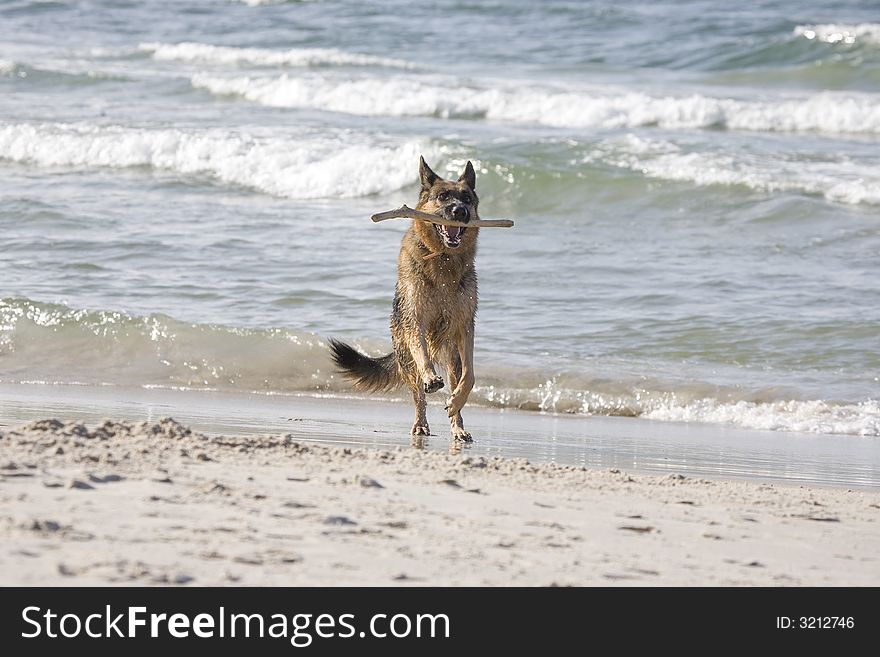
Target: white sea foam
[
  {"x": 840, "y": 181},
  {"x": 203, "y": 53},
  {"x": 825, "y": 112},
  {"x": 403, "y": 96},
  {"x": 283, "y": 166},
  {"x": 803, "y": 416},
  {"x": 840, "y": 33},
  {"x": 672, "y": 403},
  {"x": 7, "y": 67},
  {"x": 54, "y": 343},
  {"x": 367, "y": 96}
]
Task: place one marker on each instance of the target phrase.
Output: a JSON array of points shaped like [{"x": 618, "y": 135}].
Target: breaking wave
[
  {"x": 348, "y": 165},
  {"x": 842, "y": 181},
  {"x": 201, "y": 53},
  {"x": 302, "y": 168},
  {"x": 826, "y": 112},
  {"x": 840, "y": 33},
  {"x": 8, "y": 67},
  {"x": 55, "y": 344}
]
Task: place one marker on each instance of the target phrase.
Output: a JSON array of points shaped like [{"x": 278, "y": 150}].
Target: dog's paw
[
  {"x": 434, "y": 384},
  {"x": 420, "y": 430},
  {"x": 460, "y": 435}
]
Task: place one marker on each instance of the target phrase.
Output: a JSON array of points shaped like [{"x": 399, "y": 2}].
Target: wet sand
[
  {"x": 156, "y": 503},
  {"x": 635, "y": 445}
]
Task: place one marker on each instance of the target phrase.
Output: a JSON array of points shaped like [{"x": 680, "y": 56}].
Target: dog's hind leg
[
  {"x": 456, "y": 424},
  {"x": 420, "y": 426},
  {"x": 465, "y": 383}
]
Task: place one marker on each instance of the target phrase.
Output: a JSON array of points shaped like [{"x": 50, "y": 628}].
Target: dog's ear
[
  {"x": 427, "y": 176},
  {"x": 469, "y": 176}
]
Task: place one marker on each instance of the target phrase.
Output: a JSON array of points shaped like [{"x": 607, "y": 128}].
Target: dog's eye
[
  {"x": 465, "y": 197},
  {"x": 443, "y": 196}
]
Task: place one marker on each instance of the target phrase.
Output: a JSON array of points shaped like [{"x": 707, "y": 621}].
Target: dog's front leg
[
  {"x": 466, "y": 382},
  {"x": 418, "y": 347}
]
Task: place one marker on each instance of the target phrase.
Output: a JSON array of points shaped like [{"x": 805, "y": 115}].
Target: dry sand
[{"x": 154, "y": 503}]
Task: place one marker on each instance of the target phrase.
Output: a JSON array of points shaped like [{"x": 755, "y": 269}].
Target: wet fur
[{"x": 434, "y": 308}]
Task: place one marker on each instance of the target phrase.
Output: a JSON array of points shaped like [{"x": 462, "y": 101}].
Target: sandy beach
[{"x": 155, "y": 503}]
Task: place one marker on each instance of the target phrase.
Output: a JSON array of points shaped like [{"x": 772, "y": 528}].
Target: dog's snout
[{"x": 459, "y": 213}]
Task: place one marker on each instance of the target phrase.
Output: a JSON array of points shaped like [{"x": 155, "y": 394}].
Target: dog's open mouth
[{"x": 451, "y": 235}]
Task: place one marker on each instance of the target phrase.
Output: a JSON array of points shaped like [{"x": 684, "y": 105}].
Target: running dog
[{"x": 434, "y": 308}]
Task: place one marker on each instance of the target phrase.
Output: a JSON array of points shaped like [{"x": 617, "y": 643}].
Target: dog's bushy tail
[{"x": 368, "y": 374}]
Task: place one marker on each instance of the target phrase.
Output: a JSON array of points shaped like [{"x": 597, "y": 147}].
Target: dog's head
[{"x": 451, "y": 200}]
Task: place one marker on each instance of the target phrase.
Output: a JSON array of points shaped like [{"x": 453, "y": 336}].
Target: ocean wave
[
  {"x": 366, "y": 96},
  {"x": 201, "y": 53},
  {"x": 826, "y": 112},
  {"x": 840, "y": 33},
  {"x": 54, "y": 343},
  {"x": 303, "y": 168},
  {"x": 8, "y": 67},
  {"x": 841, "y": 181},
  {"x": 53, "y": 72},
  {"x": 346, "y": 165},
  {"x": 688, "y": 403},
  {"x": 813, "y": 416}
]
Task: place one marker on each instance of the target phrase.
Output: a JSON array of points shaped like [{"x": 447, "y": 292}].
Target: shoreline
[
  {"x": 633, "y": 444},
  {"x": 157, "y": 504}
]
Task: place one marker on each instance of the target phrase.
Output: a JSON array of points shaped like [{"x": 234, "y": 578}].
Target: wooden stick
[{"x": 408, "y": 213}]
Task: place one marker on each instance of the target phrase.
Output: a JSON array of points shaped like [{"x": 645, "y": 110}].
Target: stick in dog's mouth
[
  {"x": 409, "y": 213},
  {"x": 450, "y": 230}
]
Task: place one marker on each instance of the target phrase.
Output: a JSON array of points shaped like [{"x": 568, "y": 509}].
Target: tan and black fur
[{"x": 435, "y": 305}]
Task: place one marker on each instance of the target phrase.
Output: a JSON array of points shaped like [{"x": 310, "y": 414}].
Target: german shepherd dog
[{"x": 435, "y": 304}]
